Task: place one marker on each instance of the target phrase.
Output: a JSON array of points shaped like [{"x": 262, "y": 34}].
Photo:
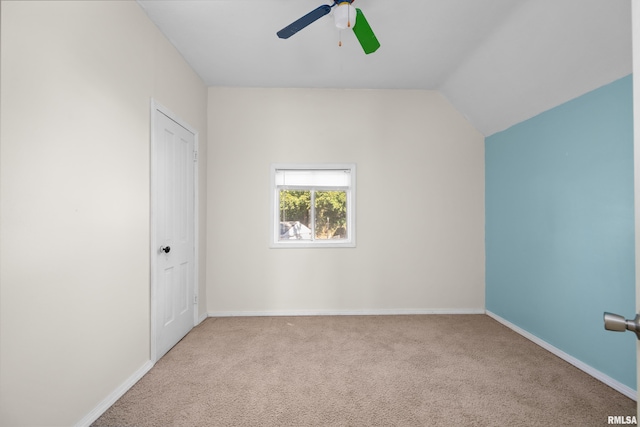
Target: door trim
[{"x": 157, "y": 108}]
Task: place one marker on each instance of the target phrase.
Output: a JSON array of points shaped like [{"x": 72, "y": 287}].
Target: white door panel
[{"x": 174, "y": 231}]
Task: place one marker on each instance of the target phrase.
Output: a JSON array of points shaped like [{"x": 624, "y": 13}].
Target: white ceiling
[{"x": 498, "y": 61}]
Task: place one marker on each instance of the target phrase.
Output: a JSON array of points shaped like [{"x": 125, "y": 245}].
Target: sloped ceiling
[{"x": 498, "y": 61}]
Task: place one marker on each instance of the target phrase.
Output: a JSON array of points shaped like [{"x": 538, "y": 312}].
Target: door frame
[{"x": 157, "y": 108}]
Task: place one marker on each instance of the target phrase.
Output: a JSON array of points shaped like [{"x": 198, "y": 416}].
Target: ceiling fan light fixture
[{"x": 344, "y": 15}]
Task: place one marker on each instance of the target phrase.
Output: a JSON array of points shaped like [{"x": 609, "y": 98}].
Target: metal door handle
[
  {"x": 617, "y": 323},
  {"x": 165, "y": 249}
]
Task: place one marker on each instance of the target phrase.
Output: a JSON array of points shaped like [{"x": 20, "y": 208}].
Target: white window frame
[{"x": 349, "y": 242}]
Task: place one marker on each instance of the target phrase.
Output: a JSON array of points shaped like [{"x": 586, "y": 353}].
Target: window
[{"x": 313, "y": 205}]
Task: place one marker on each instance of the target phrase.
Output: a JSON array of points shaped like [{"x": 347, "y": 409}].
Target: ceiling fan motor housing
[{"x": 344, "y": 15}]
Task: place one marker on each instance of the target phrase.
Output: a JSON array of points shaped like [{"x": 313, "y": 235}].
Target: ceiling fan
[{"x": 346, "y": 16}]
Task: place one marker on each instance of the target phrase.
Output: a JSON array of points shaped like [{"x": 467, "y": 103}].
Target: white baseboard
[
  {"x": 368, "y": 312},
  {"x": 202, "y": 317},
  {"x": 614, "y": 384},
  {"x": 113, "y": 397},
  {"x": 124, "y": 387}
]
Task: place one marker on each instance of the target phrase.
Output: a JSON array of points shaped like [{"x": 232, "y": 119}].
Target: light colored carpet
[{"x": 429, "y": 370}]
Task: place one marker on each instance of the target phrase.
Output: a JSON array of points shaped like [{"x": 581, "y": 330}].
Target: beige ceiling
[{"x": 498, "y": 61}]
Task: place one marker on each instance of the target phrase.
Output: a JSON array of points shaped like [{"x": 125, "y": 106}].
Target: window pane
[
  {"x": 295, "y": 209},
  {"x": 331, "y": 215}
]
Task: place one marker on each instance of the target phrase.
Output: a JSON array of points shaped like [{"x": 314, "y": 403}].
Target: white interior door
[{"x": 173, "y": 228}]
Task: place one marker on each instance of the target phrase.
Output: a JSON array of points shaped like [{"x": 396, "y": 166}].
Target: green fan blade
[{"x": 364, "y": 34}]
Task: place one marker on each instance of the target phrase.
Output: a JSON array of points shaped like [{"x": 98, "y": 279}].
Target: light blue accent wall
[{"x": 560, "y": 227}]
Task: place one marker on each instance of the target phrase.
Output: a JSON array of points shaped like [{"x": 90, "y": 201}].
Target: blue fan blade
[{"x": 307, "y": 19}]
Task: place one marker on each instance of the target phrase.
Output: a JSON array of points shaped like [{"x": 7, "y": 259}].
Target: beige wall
[
  {"x": 420, "y": 202},
  {"x": 77, "y": 79}
]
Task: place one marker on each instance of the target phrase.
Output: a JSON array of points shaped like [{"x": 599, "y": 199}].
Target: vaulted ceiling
[{"x": 498, "y": 62}]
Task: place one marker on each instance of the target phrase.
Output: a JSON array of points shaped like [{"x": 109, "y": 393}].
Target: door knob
[
  {"x": 165, "y": 249},
  {"x": 617, "y": 323}
]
